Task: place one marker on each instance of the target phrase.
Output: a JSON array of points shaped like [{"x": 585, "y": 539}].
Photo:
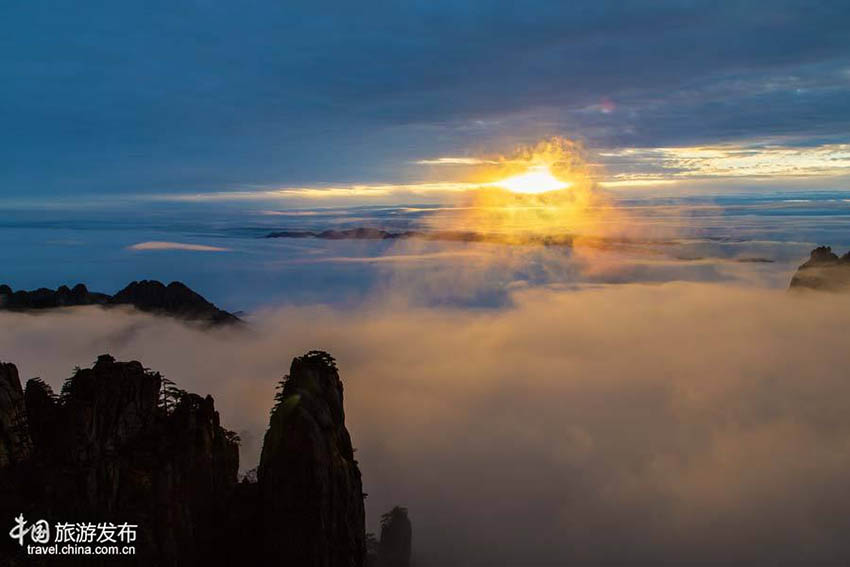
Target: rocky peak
[
  {"x": 44, "y": 298},
  {"x": 821, "y": 255},
  {"x": 311, "y": 495},
  {"x": 106, "y": 449},
  {"x": 396, "y": 539},
  {"x": 108, "y": 405},
  {"x": 824, "y": 270},
  {"x": 174, "y": 300}
]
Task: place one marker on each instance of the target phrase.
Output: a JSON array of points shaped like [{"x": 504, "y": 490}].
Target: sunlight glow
[{"x": 538, "y": 179}]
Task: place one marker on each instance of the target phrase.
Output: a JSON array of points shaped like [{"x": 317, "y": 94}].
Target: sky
[{"x": 198, "y": 100}]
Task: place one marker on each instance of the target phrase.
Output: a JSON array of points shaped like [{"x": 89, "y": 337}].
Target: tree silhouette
[
  {"x": 169, "y": 395},
  {"x": 278, "y": 393}
]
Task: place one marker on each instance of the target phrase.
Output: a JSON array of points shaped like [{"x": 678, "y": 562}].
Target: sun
[{"x": 537, "y": 179}]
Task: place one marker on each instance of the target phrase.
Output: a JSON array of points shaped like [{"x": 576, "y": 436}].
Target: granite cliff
[
  {"x": 15, "y": 444},
  {"x": 111, "y": 448},
  {"x": 307, "y": 450},
  {"x": 122, "y": 444}
]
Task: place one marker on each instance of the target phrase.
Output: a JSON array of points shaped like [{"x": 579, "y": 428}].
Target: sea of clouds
[{"x": 663, "y": 423}]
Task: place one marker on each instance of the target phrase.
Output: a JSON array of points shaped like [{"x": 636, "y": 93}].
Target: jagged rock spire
[{"x": 311, "y": 495}]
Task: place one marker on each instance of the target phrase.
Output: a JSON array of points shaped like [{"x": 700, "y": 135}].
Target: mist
[{"x": 679, "y": 422}]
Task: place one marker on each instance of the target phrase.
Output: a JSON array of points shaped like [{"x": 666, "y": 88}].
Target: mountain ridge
[{"x": 151, "y": 296}]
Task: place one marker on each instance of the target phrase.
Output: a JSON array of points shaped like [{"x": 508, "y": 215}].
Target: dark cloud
[{"x": 155, "y": 97}]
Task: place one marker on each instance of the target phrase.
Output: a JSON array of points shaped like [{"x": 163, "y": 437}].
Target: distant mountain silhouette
[
  {"x": 175, "y": 300},
  {"x": 366, "y": 233},
  {"x": 395, "y": 545},
  {"x": 123, "y": 444},
  {"x": 824, "y": 271},
  {"x": 44, "y": 298}
]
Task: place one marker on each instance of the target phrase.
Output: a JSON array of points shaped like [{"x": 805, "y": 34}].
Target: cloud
[
  {"x": 328, "y": 195},
  {"x": 397, "y": 258},
  {"x": 635, "y": 167},
  {"x": 763, "y": 160},
  {"x": 455, "y": 161},
  {"x": 161, "y": 245},
  {"x": 291, "y": 95},
  {"x": 675, "y": 423}
]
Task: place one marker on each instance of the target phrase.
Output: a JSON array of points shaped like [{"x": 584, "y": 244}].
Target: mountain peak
[
  {"x": 174, "y": 300},
  {"x": 823, "y": 271}
]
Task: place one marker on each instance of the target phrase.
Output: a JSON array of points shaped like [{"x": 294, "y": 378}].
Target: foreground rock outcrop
[
  {"x": 310, "y": 491},
  {"x": 122, "y": 444},
  {"x": 110, "y": 448},
  {"x": 174, "y": 300},
  {"x": 824, "y": 271},
  {"x": 15, "y": 445}
]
